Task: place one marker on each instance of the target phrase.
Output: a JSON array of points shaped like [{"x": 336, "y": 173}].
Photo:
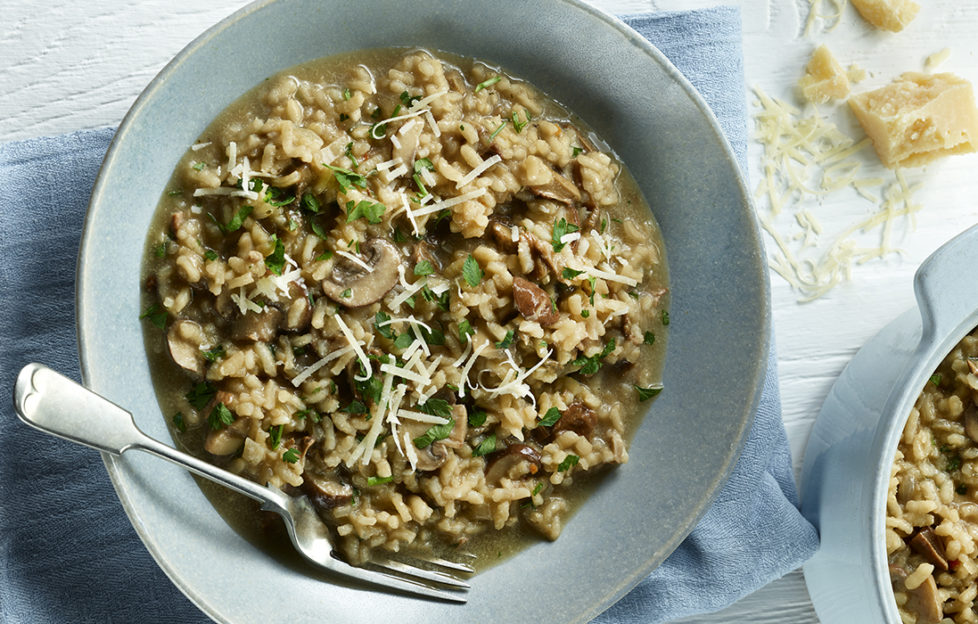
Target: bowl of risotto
[
  {"x": 889, "y": 472},
  {"x": 461, "y": 293}
]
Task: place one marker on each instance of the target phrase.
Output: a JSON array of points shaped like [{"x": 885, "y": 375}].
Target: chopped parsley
[
  {"x": 275, "y": 435},
  {"x": 423, "y": 163},
  {"x": 561, "y": 229},
  {"x": 593, "y": 282},
  {"x": 569, "y": 274},
  {"x": 372, "y": 481},
  {"x": 570, "y": 460},
  {"x": 408, "y": 100},
  {"x": 212, "y": 355},
  {"x": 537, "y": 489},
  {"x": 275, "y": 261},
  {"x": 645, "y": 394},
  {"x": 576, "y": 150},
  {"x": 649, "y": 338},
  {"x": 178, "y": 422},
  {"x": 210, "y": 254},
  {"x": 519, "y": 125},
  {"x": 665, "y": 317},
  {"x": 371, "y": 211},
  {"x": 435, "y": 407},
  {"x": 465, "y": 330},
  {"x": 487, "y": 83},
  {"x": 238, "y": 219},
  {"x": 356, "y": 406},
  {"x": 507, "y": 340},
  {"x": 326, "y": 255},
  {"x": 346, "y": 94},
  {"x": 936, "y": 379},
  {"x": 585, "y": 313},
  {"x": 591, "y": 365},
  {"x": 318, "y": 231},
  {"x": 488, "y": 445},
  {"x": 496, "y": 132},
  {"x": 310, "y": 413},
  {"x": 161, "y": 249},
  {"x": 550, "y": 418},
  {"x": 435, "y": 433},
  {"x": 424, "y": 267},
  {"x": 291, "y": 456},
  {"x": 200, "y": 395},
  {"x": 346, "y": 293},
  {"x": 220, "y": 417},
  {"x": 199, "y": 166},
  {"x": 346, "y": 178},
  {"x": 403, "y": 341},
  {"x": 277, "y": 197},
  {"x": 472, "y": 272},
  {"x": 349, "y": 154},
  {"x": 477, "y": 418},
  {"x": 380, "y": 324},
  {"x": 310, "y": 203},
  {"x": 156, "y": 316}
]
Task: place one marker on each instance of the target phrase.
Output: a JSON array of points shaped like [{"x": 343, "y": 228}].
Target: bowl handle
[{"x": 945, "y": 289}]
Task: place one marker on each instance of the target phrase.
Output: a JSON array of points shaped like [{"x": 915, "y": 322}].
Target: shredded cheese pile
[{"x": 806, "y": 159}]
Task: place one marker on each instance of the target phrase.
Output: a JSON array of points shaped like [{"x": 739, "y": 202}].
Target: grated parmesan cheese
[{"x": 479, "y": 170}]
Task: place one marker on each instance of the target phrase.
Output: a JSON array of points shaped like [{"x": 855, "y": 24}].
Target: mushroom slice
[
  {"x": 502, "y": 462},
  {"x": 971, "y": 423},
  {"x": 354, "y": 285},
  {"x": 326, "y": 491},
  {"x": 578, "y": 418},
  {"x": 435, "y": 454},
  {"x": 559, "y": 189},
  {"x": 257, "y": 326},
  {"x": 227, "y": 440},
  {"x": 184, "y": 340},
  {"x": 926, "y": 544},
  {"x": 533, "y": 302},
  {"x": 925, "y": 602}
]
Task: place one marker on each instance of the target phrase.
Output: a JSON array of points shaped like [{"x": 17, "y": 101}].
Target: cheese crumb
[
  {"x": 824, "y": 78},
  {"x": 935, "y": 59},
  {"x": 891, "y": 15},
  {"x": 918, "y": 118}
]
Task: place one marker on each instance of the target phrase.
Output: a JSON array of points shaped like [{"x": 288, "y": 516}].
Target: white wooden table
[{"x": 67, "y": 65}]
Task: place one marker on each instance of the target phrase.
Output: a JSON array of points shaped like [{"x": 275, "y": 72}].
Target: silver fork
[{"x": 57, "y": 405}]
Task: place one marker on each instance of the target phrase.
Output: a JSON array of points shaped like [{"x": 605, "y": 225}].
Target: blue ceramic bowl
[{"x": 650, "y": 115}]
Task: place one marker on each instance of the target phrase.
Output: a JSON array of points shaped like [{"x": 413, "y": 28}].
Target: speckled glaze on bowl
[
  {"x": 846, "y": 472},
  {"x": 630, "y": 94}
]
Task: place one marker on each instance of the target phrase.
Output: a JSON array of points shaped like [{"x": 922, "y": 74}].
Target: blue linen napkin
[{"x": 67, "y": 550}]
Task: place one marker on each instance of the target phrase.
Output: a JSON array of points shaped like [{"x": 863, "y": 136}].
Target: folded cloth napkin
[{"x": 67, "y": 550}]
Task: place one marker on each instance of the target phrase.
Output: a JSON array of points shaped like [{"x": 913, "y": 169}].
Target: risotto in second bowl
[{"x": 412, "y": 288}]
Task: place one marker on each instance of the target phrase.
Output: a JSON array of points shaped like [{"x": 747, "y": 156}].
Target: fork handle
[{"x": 57, "y": 405}]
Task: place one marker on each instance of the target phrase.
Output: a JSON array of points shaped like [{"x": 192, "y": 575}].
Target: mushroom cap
[
  {"x": 184, "y": 339},
  {"x": 361, "y": 286}
]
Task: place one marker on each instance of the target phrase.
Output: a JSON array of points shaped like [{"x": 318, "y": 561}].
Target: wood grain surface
[{"x": 68, "y": 65}]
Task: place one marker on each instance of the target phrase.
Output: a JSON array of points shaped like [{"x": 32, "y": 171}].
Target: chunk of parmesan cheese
[
  {"x": 891, "y": 15},
  {"x": 824, "y": 78},
  {"x": 918, "y": 118}
]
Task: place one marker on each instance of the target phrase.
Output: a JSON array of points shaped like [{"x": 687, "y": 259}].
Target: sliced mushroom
[
  {"x": 227, "y": 440},
  {"x": 257, "y": 326},
  {"x": 427, "y": 251},
  {"x": 578, "y": 418},
  {"x": 353, "y": 285},
  {"x": 926, "y": 544},
  {"x": 502, "y": 462},
  {"x": 925, "y": 602},
  {"x": 559, "y": 189},
  {"x": 435, "y": 454},
  {"x": 326, "y": 491},
  {"x": 533, "y": 302},
  {"x": 184, "y": 340},
  {"x": 502, "y": 232}
]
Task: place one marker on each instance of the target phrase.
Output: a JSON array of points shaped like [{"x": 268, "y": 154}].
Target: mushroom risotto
[
  {"x": 932, "y": 513},
  {"x": 412, "y": 288}
]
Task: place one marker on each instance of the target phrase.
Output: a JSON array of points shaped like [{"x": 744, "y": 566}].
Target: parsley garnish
[
  {"x": 423, "y": 267},
  {"x": 161, "y": 249},
  {"x": 593, "y": 282},
  {"x": 403, "y": 341},
  {"x": 561, "y": 229},
  {"x": 423, "y": 163},
  {"x": 436, "y": 432},
  {"x": 275, "y": 435},
  {"x": 238, "y": 219},
  {"x": 212, "y": 355},
  {"x": 464, "y": 330},
  {"x": 488, "y": 445},
  {"x": 517, "y": 124},
  {"x": 576, "y": 150},
  {"x": 210, "y": 254},
  {"x": 220, "y": 416},
  {"x": 477, "y": 418},
  {"x": 380, "y": 324},
  {"x": 200, "y": 395},
  {"x": 346, "y": 94},
  {"x": 550, "y": 418},
  {"x": 346, "y": 293},
  {"x": 178, "y": 422},
  {"x": 472, "y": 272},
  {"x": 310, "y": 203},
  {"x": 585, "y": 313},
  {"x": 326, "y": 255},
  {"x": 936, "y": 379},
  {"x": 346, "y": 178},
  {"x": 507, "y": 340},
  {"x": 569, "y": 274},
  {"x": 370, "y": 388},
  {"x": 199, "y": 166},
  {"x": 372, "y": 481},
  {"x": 355, "y": 407},
  {"x": 408, "y": 100},
  {"x": 291, "y": 456},
  {"x": 665, "y": 317},
  {"x": 570, "y": 460},
  {"x": 349, "y": 154},
  {"x": 155, "y": 315},
  {"x": 496, "y": 132},
  {"x": 371, "y": 211},
  {"x": 435, "y": 407},
  {"x": 649, "y": 338},
  {"x": 591, "y": 365},
  {"x": 647, "y": 393},
  {"x": 275, "y": 261},
  {"x": 537, "y": 489},
  {"x": 311, "y": 413},
  {"x": 174, "y": 193},
  {"x": 487, "y": 83}
]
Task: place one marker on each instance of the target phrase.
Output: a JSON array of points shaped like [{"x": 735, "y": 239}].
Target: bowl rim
[{"x": 755, "y": 376}]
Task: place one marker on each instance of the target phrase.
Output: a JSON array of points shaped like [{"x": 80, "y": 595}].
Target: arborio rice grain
[{"x": 413, "y": 290}]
